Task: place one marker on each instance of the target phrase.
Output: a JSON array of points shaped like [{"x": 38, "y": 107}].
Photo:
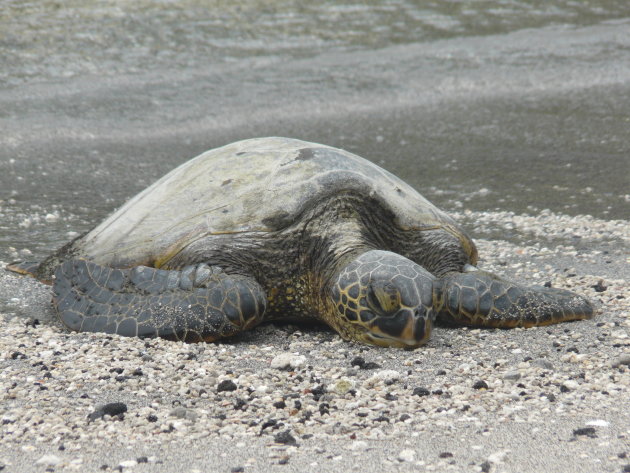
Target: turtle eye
[{"x": 383, "y": 299}]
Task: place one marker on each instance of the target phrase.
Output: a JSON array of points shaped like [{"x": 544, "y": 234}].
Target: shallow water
[{"x": 517, "y": 106}]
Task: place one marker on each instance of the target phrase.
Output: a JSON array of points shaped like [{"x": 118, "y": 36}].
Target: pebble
[
  {"x": 383, "y": 376},
  {"x": 110, "y": 409},
  {"x": 498, "y": 457},
  {"x": 623, "y": 360},
  {"x": 570, "y": 384},
  {"x": 420, "y": 391},
  {"x": 51, "y": 460},
  {"x": 513, "y": 375},
  {"x": 343, "y": 386},
  {"x": 226, "y": 385},
  {"x": 545, "y": 364},
  {"x": 407, "y": 455},
  {"x": 285, "y": 438},
  {"x": 287, "y": 360},
  {"x": 598, "y": 423},
  {"x": 481, "y": 384},
  {"x": 586, "y": 432}
]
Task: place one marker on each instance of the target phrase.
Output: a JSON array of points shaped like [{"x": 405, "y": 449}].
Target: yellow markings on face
[
  {"x": 349, "y": 302},
  {"x": 387, "y": 297}
]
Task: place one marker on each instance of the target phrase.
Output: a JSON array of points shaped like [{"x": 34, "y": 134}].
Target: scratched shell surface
[{"x": 255, "y": 185}]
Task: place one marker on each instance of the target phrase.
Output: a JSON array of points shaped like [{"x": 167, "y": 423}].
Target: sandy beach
[{"x": 299, "y": 398}]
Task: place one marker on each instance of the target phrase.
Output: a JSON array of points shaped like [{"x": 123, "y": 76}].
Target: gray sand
[{"x": 288, "y": 398}]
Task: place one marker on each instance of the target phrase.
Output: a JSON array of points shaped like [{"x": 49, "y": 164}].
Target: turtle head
[{"x": 382, "y": 298}]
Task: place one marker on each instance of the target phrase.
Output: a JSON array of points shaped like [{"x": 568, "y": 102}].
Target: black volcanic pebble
[
  {"x": 285, "y": 438},
  {"x": 357, "y": 361},
  {"x": 364, "y": 365},
  {"x": 226, "y": 385},
  {"x": 585, "y": 431},
  {"x": 599, "y": 287},
  {"x": 420, "y": 392},
  {"x": 111, "y": 409},
  {"x": 318, "y": 392},
  {"x": 481, "y": 384}
]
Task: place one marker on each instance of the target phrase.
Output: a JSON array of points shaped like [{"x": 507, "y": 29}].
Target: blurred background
[{"x": 507, "y": 105}]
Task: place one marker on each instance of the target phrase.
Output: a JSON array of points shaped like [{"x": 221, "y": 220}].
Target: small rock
[
  {"x": 498, "y": 457},
  {"x": 623, "y": 360},
  {"x": 513, "y": 375},
  {"x": 585, "y": 431},
  {"x": 481, "y": 384},
  {"x": 127, "y": 464},
  {"x": 407, "y": 455},
  {"x": 545, "y": 364},
  {"x": 285, "y": 438},
  {"x": 226, "y": 385},
  {"x": 570, "y": 385},
  {"x": 51, "y": 460},
  {"x": 386, "y": 376},
  {"x": 342, "y": 386},
  {"x": 358, "y": 361},
  {"x": 420, "y": 392},
  {"x": 364, "y": 365},
  {"x": 179, "y": 412},
  {"x": 358, "y": 445},
  {"x": 285, "y": 361},
  {"x": 599, "y": 287},
  {"x": 111, "y": 409},
  {"x": 445, "y": 455},
  {"x": 598, "y": 423}
]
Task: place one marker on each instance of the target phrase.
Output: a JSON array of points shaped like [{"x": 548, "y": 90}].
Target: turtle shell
[{"x": 255, "y": 185}]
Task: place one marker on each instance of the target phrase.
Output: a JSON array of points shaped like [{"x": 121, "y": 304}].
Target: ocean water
[{"x": 483, "y": 105}]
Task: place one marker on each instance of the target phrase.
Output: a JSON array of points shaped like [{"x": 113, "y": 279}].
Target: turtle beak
[{"x": 407, "y": 329}]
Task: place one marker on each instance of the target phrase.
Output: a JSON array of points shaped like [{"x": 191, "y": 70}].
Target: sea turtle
[{"x": 276, "y": 228}]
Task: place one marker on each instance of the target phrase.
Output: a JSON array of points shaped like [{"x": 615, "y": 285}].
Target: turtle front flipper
[
  {"x": 482, "y": 299},
  {"x": 198, "y": 303}
]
